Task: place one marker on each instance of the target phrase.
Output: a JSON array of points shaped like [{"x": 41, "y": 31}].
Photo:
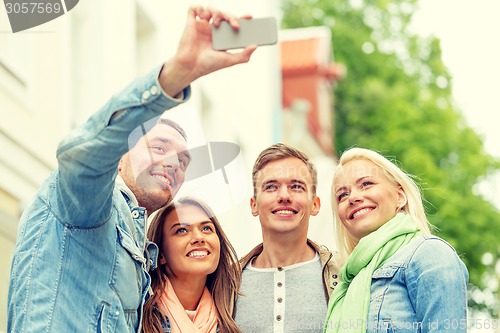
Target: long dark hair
[{"x": 223, "y": 284}]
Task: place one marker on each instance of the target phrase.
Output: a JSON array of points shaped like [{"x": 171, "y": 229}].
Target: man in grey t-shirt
[{"x": 287, "y": 279}]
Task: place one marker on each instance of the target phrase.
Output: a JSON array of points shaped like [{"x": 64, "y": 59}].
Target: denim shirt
[
  {"x": 422, "y": 288},
  {"x": 81, "y": 257}
]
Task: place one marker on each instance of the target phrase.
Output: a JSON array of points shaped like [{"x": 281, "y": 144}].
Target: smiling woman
[
  {"x": 198, "y": 274},
  {"x": 396, "y": 274}
]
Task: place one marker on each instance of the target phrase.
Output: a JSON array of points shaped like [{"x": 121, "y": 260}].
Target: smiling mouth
[
  {"x": 163, "y": 179},
  {"x": 198, "y": 254},
  {"x": 360, "y": 212},
  {"x": 284, "y": 212}
]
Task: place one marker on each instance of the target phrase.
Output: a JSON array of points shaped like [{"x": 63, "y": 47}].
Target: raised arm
[
  {"x": 195, "y": 56},
  {"x": 89, "y": 156}
]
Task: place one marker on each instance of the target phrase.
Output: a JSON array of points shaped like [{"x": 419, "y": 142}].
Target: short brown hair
[
  {"x": 281, "y": 151},
  {"x": 174, "y": 125}
]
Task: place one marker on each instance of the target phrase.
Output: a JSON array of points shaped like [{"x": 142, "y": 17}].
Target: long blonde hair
[
  {"x": 223, "y": 284},
  {"x": 414, "y": 205}
]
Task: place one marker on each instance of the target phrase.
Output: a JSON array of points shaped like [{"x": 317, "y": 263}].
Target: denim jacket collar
[{"x": 127, "y": 193}]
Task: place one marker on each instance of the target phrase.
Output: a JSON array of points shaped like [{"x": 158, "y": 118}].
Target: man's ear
[
  {"x": 316, "y": 205},
  {"x": 253, "y": 207},
  {"x": 120, "y": 163}
]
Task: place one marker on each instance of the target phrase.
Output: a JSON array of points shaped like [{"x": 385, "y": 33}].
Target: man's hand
[{"x": 195, "y": 56}]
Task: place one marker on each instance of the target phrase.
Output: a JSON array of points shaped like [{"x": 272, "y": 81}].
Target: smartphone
[{"x": 257, "y": 31}]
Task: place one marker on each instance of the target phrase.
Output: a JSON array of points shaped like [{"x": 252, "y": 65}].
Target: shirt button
[
  {"x": 278, "y": 317},
  {"x": 117, "y": 313},
  {"x": 334, "y": 276},
  {"x": 145, "y": 95},
  {"x": 280, "y": 284},
  {"x": 280, "y": 269},
  {"x": 153, "y": 90},
  {"x": 135, "y": 214},
  {"x": 280, "y": 299},
  {"x": 335, "y": 283}
]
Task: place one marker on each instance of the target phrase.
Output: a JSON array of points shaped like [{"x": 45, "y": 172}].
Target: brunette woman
[{"x": 198, "y": 274}]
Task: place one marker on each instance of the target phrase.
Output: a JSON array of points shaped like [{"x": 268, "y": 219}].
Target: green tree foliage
[{"x": 396, "y": 98}]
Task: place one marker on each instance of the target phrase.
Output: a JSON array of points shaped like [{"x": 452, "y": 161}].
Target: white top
[{"x": 284, "y": 299}]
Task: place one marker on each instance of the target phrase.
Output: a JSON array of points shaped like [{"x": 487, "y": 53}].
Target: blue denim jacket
[
  {"x": 81, "y": 257},
  {"x": 422, "y": 288}
]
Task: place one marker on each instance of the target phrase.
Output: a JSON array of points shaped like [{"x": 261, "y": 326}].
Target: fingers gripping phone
[{"x": 258, "y": 31}]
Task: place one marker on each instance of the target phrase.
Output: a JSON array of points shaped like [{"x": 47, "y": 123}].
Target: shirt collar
[{"x": 127, "y": 193}]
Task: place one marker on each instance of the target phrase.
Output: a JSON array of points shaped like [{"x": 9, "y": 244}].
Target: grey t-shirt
[{"x": 287, "y": 299}]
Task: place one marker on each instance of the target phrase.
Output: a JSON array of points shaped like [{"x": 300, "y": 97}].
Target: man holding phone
[{"x": 81, "y": 259}]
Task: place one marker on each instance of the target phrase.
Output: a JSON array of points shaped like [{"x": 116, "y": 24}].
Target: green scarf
[{"x": 349, "y": 302}]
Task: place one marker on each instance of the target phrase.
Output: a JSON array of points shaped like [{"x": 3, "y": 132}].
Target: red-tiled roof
[{"x": 299, "y": 56}]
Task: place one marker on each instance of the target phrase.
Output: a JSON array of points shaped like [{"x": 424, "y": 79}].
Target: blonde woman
[
  {"x": 198, "y": 274},
  {"x": 396, "y": 276}
]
